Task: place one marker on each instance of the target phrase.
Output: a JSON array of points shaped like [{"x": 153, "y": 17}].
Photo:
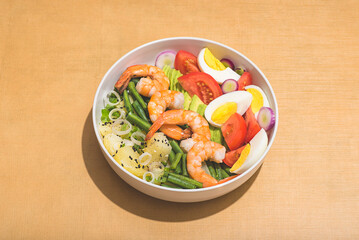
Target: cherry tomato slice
[
  {"x": 186, "y": 62},
  {"x": 244, "y": 80},
  {"x": 201, "y": 84},
  {"x": 232, "y": 156},
  {"x": 252, "y": 125},
  {"x": 234, "y": 131}
]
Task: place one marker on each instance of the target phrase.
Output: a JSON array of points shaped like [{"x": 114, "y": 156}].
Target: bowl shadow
[{"x": 131, "y": 200}]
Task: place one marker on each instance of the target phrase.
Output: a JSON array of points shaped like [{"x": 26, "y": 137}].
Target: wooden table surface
[{"x": 54, "y": 181}]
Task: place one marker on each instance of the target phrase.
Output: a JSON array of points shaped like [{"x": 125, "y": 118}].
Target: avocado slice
[
  {"x": 187, "y": 101},
  {"x": 196, "y": 101}
]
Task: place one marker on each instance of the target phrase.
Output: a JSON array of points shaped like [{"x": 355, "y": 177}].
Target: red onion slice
[
  {"x": 230, "y": 85},
  {"x": 266, "y": 118},
  {"x": 227, "y": 63},
  {"x": 165, "y": 58}
]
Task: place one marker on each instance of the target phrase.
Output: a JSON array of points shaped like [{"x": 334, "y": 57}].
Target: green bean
[
  {"x": 180, "y": 182},
  {"x": 135, "y": 94},
  {"x": 177, "y": 159},
  {"x": 157, "y": 181},
  {"x": 211, "y": 169},
  {"x": 184, "y": 165},
  {"x": 224, "y": 173},
  {"x": 135, "y": 80},
  {"x": 127, "y": 102},
  {"x": 187, "y": 179},
  {"x": 227, "y": 170},
  {"x": 139, "y": 122},
  {"x": 170, "y": 185},
  {"x": 171, "y": 157},
  {"x": 139, "y": 110},
  {"x": 163, "y": 178},
  {"x": 218, "y": 171},
  {"x": 146, "y": 99},
  {"x": 178, "y": 169},
  {"x": 175, "y": 146}
]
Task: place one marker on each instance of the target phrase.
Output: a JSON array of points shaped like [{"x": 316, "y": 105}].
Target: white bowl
[{"x": 146, "y": 54}]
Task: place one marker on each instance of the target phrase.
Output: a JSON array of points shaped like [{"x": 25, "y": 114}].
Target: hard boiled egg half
[
  {"x": 259, "y": 98},
  {"x": 220, "y": 109},
  {"x": 251, "y": 152},
  {"x": 212, "y": 66}
]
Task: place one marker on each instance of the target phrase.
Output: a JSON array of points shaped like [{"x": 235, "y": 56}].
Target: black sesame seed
[
  {"x": 139, "y": 166},
  {"x": 143, "y": 167},
  {"x": 121, "y": 164}
]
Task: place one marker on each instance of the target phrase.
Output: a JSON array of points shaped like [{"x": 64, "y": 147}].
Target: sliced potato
[
  {"x": 128, "y": 158},
  {"x": 112, "y": 143},
  {"x": 105, "y": 128},
  {"x": 159, "y": 147}
]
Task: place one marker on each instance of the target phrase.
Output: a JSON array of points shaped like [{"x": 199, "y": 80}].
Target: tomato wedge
[
  {"x": 201, "y": 84},
  {"x": 234, "y": 131},
  {"x": 252, "y": 125},
  {"x": 244, "y": 80},
  {"x": 186, "y": 62},
  {"x": 232, "y": 156}
]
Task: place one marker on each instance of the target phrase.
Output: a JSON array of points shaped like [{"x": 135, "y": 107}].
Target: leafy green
[
  {"x": 105, "y": 113},
  {"x": 113, "y": 98}
]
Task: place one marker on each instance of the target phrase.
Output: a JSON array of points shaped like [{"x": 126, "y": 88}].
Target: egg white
[
  {"x": 258, "y": 144},
  {"x": 265, "y": 99},
  {"x": 242, "y": 98},
  {"x": 219, "y": 76}
]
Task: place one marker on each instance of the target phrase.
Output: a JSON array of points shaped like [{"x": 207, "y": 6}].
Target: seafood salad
[{"x": 186, "y": 121}]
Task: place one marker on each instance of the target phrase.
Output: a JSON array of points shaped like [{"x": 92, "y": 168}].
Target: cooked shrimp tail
[
  {"x": 155, "y": 126},
  {"x": 125, "y": 78},
  {"x": 153, "y": 79},
  {"x": 227, "y": 179},
  {"x": 175, "y": 132}
]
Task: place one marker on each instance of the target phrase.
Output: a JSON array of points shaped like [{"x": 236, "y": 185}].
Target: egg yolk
[
  {"x": 257, "y": 102},
  {"x": 221, "y": 114},
  {"x": 242, "y": 158},
  {"x": 212, "y": 61}
]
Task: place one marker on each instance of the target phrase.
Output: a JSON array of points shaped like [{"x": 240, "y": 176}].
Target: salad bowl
[{"x": 146, "y": 54}]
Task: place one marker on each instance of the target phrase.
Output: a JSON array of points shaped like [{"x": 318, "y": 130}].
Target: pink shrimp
[
  {"x": 153, "y": 79},
  {"x": 200, "y": 152},
  {"x": 196, "y": 122},
  {"x": 162, "y": 100}
]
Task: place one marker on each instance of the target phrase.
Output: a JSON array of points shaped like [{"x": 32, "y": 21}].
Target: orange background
[{"x": 54, "y": 181}]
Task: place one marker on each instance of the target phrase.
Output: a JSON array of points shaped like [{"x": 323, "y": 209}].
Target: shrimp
[
  {"x": 175, "y": 132},
  {"x": 162, "y": 100},
  {"x": 153, "y": 79},
  {"x": 200, "y": 152},
  {"x": 196, "y": 122}
]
